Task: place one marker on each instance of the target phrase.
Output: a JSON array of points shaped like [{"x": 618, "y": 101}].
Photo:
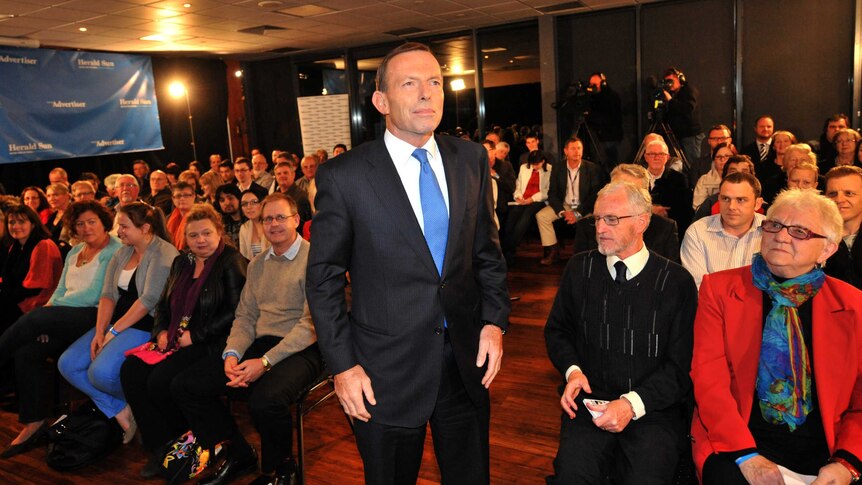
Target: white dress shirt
[{"x": 706, "y": 248}]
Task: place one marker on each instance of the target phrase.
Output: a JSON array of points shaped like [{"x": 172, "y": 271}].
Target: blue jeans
[
  {"x": 691, "y": 146},
  {"x": 100, "y": 378}
]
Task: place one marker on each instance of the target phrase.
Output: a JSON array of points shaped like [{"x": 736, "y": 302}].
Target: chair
[{"x": 305, "y": 406}]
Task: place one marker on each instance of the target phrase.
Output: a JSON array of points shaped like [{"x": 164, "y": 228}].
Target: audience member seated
[
  {"x": 82, "y": 190},
  {"x": 32, "y": 268},
  {"x": 826, "y": 150},
  {"x": 285, "y": 178},
  {"x": 844, "y": 187},
  {"x": 242, "y": 170},
  {"x": 309, "y": 166},
  {"x": 708, "y": 183},
  {"x": 530, "y": 196},
  {"x": 730, "y": 238},
  {"x": 718, "y": 134},
  {"x": 183, "y": 196},
  {"x": 225, "y": 173},
  {"x": 803, "y": 176},
  {"x": 95, "y": 182},
  {"x": 760, "y": 150},
  {"x": 160, "y": 192},
  {"x": 47, "y": 331},
  {"x": 228, "y": 197},
  {"x": 845, "y": 142},
  {"x": 141, "y": 169},
  {"x": 338, "y": 149},
  {"x": 252, "y": 240},
  {"x": 193, "y": 319},
  {"x": 111, "y": 199},
  {"x": 191, "y": 178},
  {"x": 210, "y": 182},
  {"x": 620, "y": 330},
  {"x": 504, "y": 178},
  {"x": 35, "y": 198},
  {"x": 661, "y": 235},
  {"x": 260, "y": 171},
  {"x": 134, "y": 280},
  {"x": 572, "y": 194},
  {"x": 793, "y": 155},
  {"x": 736, "y": 163},
  {"x": 776, "y": 369},
  {"x": 670, "y": 194},
  {"x": 270, "y": 356},
  {"x": 58, "y": 175},
  {"x": 59, "y": 200}
]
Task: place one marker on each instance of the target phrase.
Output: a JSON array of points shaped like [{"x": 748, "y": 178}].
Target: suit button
[
  {"x": 442, "y": 285},
  {"x": 438, "y": 330}
]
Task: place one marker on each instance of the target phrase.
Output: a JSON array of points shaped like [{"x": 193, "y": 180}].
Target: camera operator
[
  {"x": 683, "y": 114},
  {"x": 606, "y": 117}
]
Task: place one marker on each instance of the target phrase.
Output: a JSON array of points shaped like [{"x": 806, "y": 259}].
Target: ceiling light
[
  {"x": 457, "y": 84},
  {"x": 238, "y": 73},
  {"x": 82, "y": 29},
  {"x": 177, "y": 89},
  {"x": 493, "y": 49},
  {"x": 6, "y": 15},
  {"x": 187, "y": 5},
  {"x": 268, "y": 3}
]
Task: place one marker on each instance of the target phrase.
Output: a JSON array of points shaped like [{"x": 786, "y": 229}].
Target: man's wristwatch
[{"x": 267, "y": 365}]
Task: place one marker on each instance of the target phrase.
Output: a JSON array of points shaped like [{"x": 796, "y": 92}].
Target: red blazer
[{"x": 727, "y": 334}]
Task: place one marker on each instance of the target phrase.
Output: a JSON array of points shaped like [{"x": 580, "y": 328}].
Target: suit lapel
[
  {"x": 744, "y": 336},
  {"x": 386, "y": 183},
  {"x": 455, "y": 181},
  {"x": 832, "y": 347}
]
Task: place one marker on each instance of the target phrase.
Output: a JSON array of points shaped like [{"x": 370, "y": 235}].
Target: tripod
[
  {"x": 582, "y": 123},
  {"x": 662, "y": 128}
]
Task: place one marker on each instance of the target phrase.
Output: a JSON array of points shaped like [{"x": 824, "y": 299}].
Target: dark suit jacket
[
  {"x": 728, "y": 331},
  {"x": 365, "y": 225},
  {"x": 162, "y": 200},
  {"x": 591, "y": 179},
  {"x": 846, "y": 264},
  {"x": 671, "y": 190},
  {"x": 661, "y": 236},
  {"x": 505, "y": 184}
]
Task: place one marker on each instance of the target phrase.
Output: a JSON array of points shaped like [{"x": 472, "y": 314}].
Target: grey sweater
[
  {"x": 273, "y": 303},
  {"x": 151, "y": 275}
]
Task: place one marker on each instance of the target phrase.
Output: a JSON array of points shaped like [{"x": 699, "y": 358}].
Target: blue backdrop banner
[{"x": 64, "y": 104}]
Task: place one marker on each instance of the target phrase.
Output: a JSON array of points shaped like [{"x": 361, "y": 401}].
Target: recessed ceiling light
[
  {"x": 488, "y": 50},
  {"x": 82, "y": 29},
  {"x": 268, "y": 3},
  {"x": 6, "y": 15},
  {"x": 187, "y": 5}
]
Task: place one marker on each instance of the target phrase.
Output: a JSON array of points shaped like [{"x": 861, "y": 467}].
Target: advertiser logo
[
  {"x": 7, "y": 59},
  {"x": 37, "y": 146},
  {"x": 95, "y": 64},
  {"x": 67, "y": 104},
  {"x": 109, "y": 143},
  {"x": 136, "y": 103}
]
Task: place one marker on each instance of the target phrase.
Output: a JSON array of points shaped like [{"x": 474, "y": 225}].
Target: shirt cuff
[
  {"x": 570, "y": 370},
  {"x": 229, "y": 352},
  {"x": 636, "y": 402}
]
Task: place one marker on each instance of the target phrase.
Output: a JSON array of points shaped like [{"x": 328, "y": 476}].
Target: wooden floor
[{"x": 524, "y": 421}]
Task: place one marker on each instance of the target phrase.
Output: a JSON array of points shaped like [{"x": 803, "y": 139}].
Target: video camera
[
  {"x": 577, "y": 97},
  {"x": 659, "y": 104}
]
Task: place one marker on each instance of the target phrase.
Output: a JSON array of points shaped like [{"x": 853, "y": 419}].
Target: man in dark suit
[
  {"x": 423, "y": 340},
  {"x": 571, "y": 196},
  {"x": 760, "y": 150},
  {"x": 504, "y": 175},
  {"x": 660, "y": 236}
]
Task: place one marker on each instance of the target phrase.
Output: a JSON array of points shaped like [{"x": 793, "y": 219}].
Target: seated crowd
[
  {"x": 725, "y": 357},
  {"x": 157, "y": 313}
]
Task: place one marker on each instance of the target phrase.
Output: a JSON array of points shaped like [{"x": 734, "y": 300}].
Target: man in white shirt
[
  {"x": 730, "y": 238},
  {"x": 844, "y": 186}
]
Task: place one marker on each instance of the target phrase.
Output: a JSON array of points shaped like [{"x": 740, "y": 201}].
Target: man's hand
[
  {"x": 247, "y": 371},
  {"x": 833, "y": 474},
  {"x": 570, "y": 216},
  {"x": 230, "y": 368},
  {"x": 667, "y": 95},
  {"x": 760, "y": 471},
  {"x": 617, "y": 415},
  {"x": 522, "y": 201},
  {"x": 660, "y": 210},
  {"x": 577, "y": 381},
  {"x": 490, "y": 347},
  {"x": 350, "y": 386}
]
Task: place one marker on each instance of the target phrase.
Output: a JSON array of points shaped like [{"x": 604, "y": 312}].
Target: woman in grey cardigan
[{"x": 134, "y": 281}]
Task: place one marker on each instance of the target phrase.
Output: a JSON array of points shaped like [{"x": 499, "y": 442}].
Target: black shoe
[
  {"x": 230, "y": 468},
  {"x": 38, "y": 438},
  {"x": 285, "y": 474},
  {"x": 154, "y": 465}
]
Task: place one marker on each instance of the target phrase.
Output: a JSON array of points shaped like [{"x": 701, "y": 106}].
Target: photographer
[
  {"x": 606, "y": 117},
  {"x": 682, "y": 113}
]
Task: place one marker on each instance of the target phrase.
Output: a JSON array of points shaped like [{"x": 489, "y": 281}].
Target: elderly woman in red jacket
[{"x": 777, "y": 366}]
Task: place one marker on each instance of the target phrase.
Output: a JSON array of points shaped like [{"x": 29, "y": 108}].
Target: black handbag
[{"x": 82, "y": 438}]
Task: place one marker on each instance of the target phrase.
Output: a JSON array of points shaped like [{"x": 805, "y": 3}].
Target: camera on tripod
[
  {"x": 659, "y": 103},
  {"x": 577, "y": 98}
]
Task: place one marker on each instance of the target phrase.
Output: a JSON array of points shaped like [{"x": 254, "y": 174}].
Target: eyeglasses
[
  {"x": 279, "y": 218},
  {"x": 722, "y": 157},
  {"x": 609, "y": 220},
  {"x": 659, "y": 154},
  {"x": 250, "y": 203},
  {"x": 719, "y": 138},
  {"x": 182, "y": 196},
  {"x": 796, "y": 232}
]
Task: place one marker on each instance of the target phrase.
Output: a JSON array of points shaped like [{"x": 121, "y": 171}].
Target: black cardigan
[{"x": 214, "y": 313}]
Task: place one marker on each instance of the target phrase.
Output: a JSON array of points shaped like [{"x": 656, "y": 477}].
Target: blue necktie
[{"x": 434, "y": 214}]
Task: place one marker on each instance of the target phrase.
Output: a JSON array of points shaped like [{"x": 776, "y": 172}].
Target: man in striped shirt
[{"x": 730, "y": 238}]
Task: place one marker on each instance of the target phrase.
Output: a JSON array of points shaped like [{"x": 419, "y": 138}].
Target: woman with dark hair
[
  {"x": 35, "y": 198},
  {"x": 183, "y": 197},
  {"x": 251, "y": 240},
  {"x": 59, "y": 199},
  {"x": 133, "y": 282},
  {"x": 531, "y": 192},
  {"x": 32, "y": 268},
  {"x": 47, "y": 331},
  {"x": 708, "y": 183},
  {"x": 193, "y": 320}
]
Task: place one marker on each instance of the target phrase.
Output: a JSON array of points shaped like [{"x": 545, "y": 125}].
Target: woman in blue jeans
[{"x": 134, "y": 281}]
